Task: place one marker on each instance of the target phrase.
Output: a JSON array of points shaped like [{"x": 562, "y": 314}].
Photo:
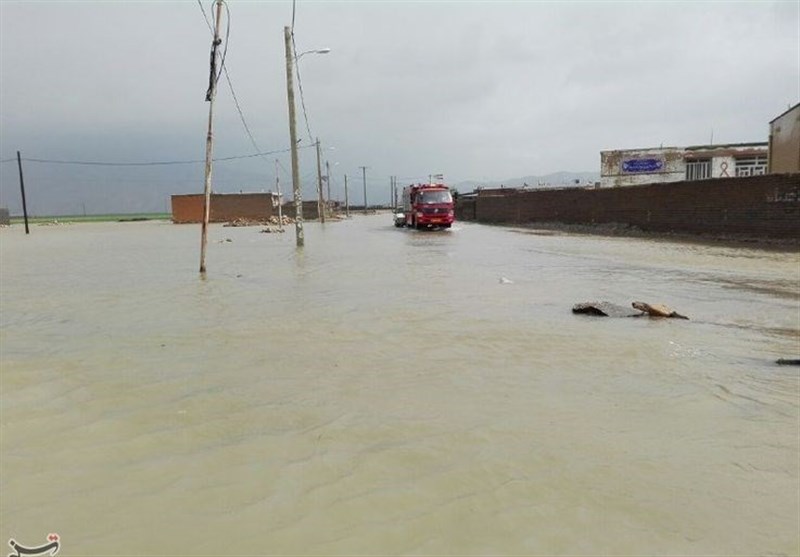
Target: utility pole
[
  {"x": 346, "y": 199},
  {"x": 210, "y": 95},
  {"x": 391, "y": 191},
  {"x": 297, "y": 196},
  {"x": 328, "y": 178},
  {"x": 22, "y": 189},
  {"x": 364, "y": 175},
  {"x": 280, "y": 198},
  {"x": 320, "y": 198}
]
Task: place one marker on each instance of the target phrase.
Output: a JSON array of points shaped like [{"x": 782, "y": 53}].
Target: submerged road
[{"x": 394, "y": 391}]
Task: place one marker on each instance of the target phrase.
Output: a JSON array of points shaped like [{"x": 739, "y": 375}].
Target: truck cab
[{"x": 428, "y": 206}]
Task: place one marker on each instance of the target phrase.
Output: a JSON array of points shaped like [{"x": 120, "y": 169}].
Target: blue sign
[{"x": 642, "y": 165}]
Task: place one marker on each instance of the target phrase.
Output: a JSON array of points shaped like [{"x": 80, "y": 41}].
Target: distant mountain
[{"x": 555, "y": 180}]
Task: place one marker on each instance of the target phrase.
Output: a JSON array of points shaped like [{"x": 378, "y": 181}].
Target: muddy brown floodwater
[{"x": 393, "y": 391}]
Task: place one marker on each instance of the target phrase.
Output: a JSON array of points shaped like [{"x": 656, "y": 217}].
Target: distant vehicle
[
  {"x": 428, "y": 206},
  {"x": 399, "y": 218}
]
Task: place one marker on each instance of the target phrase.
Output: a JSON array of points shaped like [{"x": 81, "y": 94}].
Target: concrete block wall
[{"x": 761, "y": 206}]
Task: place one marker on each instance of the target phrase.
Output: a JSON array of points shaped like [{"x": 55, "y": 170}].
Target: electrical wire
[
  {"x": 216, "y": 74},
  {"x": 230, "y": 85},
  {"x": 156, "y": 163},
  {"x": 300, "y": 87}
]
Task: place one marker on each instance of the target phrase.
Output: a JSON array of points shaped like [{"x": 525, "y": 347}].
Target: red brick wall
[
  {"x": 762, "y": 206},
  {"x": 224, "y": 207}
]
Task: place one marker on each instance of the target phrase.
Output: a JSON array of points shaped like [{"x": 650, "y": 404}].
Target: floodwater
[{"x": 389, "y": 391}]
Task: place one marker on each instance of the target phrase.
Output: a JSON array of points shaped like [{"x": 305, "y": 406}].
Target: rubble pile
[{"x": 273, "y": 220}]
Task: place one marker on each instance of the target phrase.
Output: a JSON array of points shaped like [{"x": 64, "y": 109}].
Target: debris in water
[
  {"x": 607, "y": 309},
  {"x": 504, "y": 280},
  {"x": 657, "y": 310},
  {"x": 604, "y": 309}
]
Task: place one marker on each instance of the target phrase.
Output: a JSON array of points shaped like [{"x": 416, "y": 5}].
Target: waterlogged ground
[{"x": 390, "y": 391}]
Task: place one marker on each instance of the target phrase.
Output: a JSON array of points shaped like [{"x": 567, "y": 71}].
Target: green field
[{"x": 94, "y": 218}]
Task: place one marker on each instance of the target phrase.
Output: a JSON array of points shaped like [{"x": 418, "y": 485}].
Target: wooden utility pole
[
  {"x": 320, "y": 198},
  {"x": 346, "y": 199},
  {"x": 364, "y": 175},
  {"x": 22, "y": 189},
  {"x": 297, "y": 195},
  {"x": 212, "y": 93},
  {"x": 280, "y": 199}
]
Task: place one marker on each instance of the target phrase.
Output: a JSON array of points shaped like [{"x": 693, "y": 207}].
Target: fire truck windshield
[{"x": 431, "y": 197}]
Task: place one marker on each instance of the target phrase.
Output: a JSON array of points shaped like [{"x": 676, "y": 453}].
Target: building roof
[
  {"x": 726, "y": 146},
  {"x": 784, "y": 113},
  {"x": 763, "y": 144}
]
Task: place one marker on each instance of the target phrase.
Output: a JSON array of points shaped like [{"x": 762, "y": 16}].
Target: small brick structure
[
  {"x": 758, "y": 206},
  {"x": 225, "y": 207}
]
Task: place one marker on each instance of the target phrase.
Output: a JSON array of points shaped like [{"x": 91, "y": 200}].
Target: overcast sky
[{"x": 474, "y": 90}]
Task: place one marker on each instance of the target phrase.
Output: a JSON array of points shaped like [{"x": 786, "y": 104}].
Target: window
[
  {"x": 698, "y": 169},
  {"x": 755, "y": 165},
  {"x": 436, "y": 196}
]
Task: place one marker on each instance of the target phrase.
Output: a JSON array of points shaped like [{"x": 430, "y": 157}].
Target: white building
[{"x": 674, "y": 164}]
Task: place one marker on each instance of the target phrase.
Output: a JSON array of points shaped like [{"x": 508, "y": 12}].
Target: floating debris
[
  {"x": 607, "y": 309},
  {"x": 657, "y": 310},
  {"x": 788, "y": 362},
  {"x": 604, "y": 309},
  {"x": 504, "y": 280}
]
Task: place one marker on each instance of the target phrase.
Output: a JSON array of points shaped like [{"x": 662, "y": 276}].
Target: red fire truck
[{"x": 428, "y": 206}]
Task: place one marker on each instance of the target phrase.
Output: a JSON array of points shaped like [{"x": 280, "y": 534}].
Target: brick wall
[
  {"x": 762, "y": 206},
  {"x": 310, "y": 210},
  {"x": 224, "y": 207}
]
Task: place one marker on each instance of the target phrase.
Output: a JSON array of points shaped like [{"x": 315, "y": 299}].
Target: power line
[
  {"x": 228, "y": 79},
  {"x": 300, "y": 86},
  {"x": 154, "y": 163}
]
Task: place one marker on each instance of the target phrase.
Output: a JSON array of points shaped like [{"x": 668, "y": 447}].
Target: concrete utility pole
[
  {"x": 280, "y": 198},
  {"x": 328, "y": 178},
  {"x": 22, "y": 189},
  {"x": 320, "y": 198},
  {"x": 364, "y": 175},
  {"x": 297, "y": 196},
  {"x": 211, "y": 94},
  {"x": 346, "y": 199}
]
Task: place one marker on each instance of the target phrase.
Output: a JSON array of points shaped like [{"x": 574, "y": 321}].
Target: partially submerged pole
[
  {"x": 364, "y": 175},
  {"x": 296, "y": 193},
  {"x": 278, "y": 188},
  {"x": 22, "y": 189},
  {"x": 328, "y": 178},
  {"x": 346, "y": 199},
  {"x": 320, "y": 197},
  {"x": 210, "y": 95}
]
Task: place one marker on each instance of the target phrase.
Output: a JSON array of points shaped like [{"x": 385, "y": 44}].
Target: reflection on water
[{"x": 383, "y": 391}]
